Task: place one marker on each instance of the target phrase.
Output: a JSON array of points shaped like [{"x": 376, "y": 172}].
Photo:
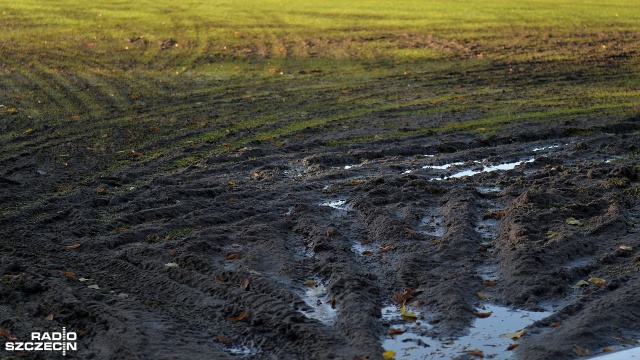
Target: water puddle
[
  {"x": 488, "y": 189},
  {"x": 242, "y": 351},
  {"x": 432, "y": 225},
  {"x": 489, "y": 335},
  {"x": 349, "y": 167},
  {"x": 340, "y": 204},
  {"x": 318, "y": 299},
  {"x": 477, "y": 169},
  {"x": 545, "y": 147}
]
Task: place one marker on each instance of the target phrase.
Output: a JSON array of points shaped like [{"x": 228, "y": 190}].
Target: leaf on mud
[
  {"x": 579, "y": 350},
  {"x": 407, "y": 315},
  {"x": 333, "y": 302},
  {"x": 231, "y": 182},
  {"x": 233, "y": 199},
  {"x": 223, "y": 340},
  {"x": 94, "y": 286},
  {"x": 394, "y": 332},
  {"x": 608, "y": 349},
  {"x": 7, "y": 334},
  {"x": 310, "y": 283},
  {"x": 597, "y": 281},
  {"x": 367, "y": 252},
  {"x": 89, "y": 148},
  {"x": 574, "y": 221},
  {"x": 244, "y": 284},
  {"x": 172, "y": 264},
  {"x": 240, "y": 317},
  {"x": 581, "y": 283},
  {"x": 625, "y": 248},
  {"x": 28, "y": 131},
  {"x": 383, "y": 249},
  {"x": 477, "y": 353},
  {"x": 483, "y": 296},
  {"x": 83, "y": 279},
  {"x": 500, "y": 214},
  {"x": 402, "y": 297},
  {"x": 365, "y": 242},
  {"x": 551, "y": 234},
  {"x": 555, "y": 324},
  {"x": 153, "y": 128},
  {"x": 68, "y": 273},
  {"x": 231, "y": 256},
  {"x": 389, "y": 355},
  {"x": 49, "y": 317},
  {"x": 490, "y": 283},
  {"x": 74, "y": 246},
  {"x": 512, "y": 346},
  {"x": 136, "y": 152},
  {"x": 409, "y": 231},
  {"x": 482, "y": 315},
  {"x": 219, "y": 278},
  {"x": 513, "y": 336}
]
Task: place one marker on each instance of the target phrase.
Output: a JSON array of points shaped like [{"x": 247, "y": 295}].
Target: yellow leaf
[
  {"x": 597, "y": 281},
  {"x": 626, "y": 248},
  {"x": 28, "y": 131},
  {"x": 483, "y": 296},
  {"x": 389, "y": 355},
  {"x": 581, "y": 283},
  {"x": 407, "y": 315},
  {"x": 310, "y": 283},
  {"x": 514, "y": 336}
]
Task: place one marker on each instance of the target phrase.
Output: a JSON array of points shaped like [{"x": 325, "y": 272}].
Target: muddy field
[{"x": 271, "y": 252}]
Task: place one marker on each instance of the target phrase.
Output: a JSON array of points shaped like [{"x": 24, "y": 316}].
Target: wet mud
[{"x": 278, "y": 253}]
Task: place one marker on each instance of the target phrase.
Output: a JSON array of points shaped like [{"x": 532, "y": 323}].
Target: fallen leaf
[
  {"x": 68, "y": 273},
  {"x": 394, "y": 332},
  {"x": 402, "y": 297},
  {"x": 172, "y": 264},
  {"x": 367, "y": 252},
  {"x": 482, "y": 315},
  {"x": 310, "y": 283},
  {"x": 244, "y": 284},
  {"x": 483, "y": 296},
  {"x": 581, "y": 283},
  {"x": 625, "y": 248},
  {"x": 231, "y": 256},
  {"x": 136, "y": 152},
  {"x": 75, "y": 117},
  {"x": 513, "y": 336},
  {"x": 49, "y": 317},
  {"x": 28, "y": 131},
  {"x": 573, "y": 221},
  {"x": 94, "y": 286},
  {"x": 555, "y": 324},
  {"x": 409, "y": 231},
  {"x": 407, "y": 315},
  {"x": 7, "y": 334},
  {"x": 551, "y": 234},
  {"x": 153, "y": 128},
  {"x": 389, "y": 355},
  {"x": 578, "y": 350},
  {"x": 597, "y": 281},
  {"x": 476, "y": 353},
  {"x": 219, "y": 278},
  {"x": 608, "y": 349},
  {"x": 383, "y": 249},
  {"x": 490, "y": 283},
  {"x": 512, "y": 346},
  {"x": 365, "y": 242},
  {"x": 222, "y": 340},
  {"x": 233, "y": 199},
  {"x": 240, "y": 317},
  {"x": 100, "y": 190},
  {"x": 89, "y": 148},
  {"x": 500, "y": 214},
  {"x": 74, "y": 246},
  {"x": 333, "y": 301},
  {"x": 231, "y": 182}
]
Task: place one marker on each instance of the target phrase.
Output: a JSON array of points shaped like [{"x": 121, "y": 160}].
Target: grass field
[{"x": 117, "y": 82}]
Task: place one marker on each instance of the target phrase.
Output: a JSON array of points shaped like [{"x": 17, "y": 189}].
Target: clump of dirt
[{"x": 219, "y": 261}]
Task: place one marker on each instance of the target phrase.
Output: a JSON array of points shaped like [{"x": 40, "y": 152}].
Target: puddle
[
  {"x": 446, "y": 166},
  {"x": 319, "y": 300},
  {"x": 242, "y": 350},
  {"x": 546, "y": 147},
  {"x": 432, "y": 225},
  {"x": 488, "y": 272},
  {"x": 349, "y": 167},
  {"x": 488, "y": 189},
  {"x": 484, "y": 335},
  {"x": 476, "y": 170},
  {"x": 337, "y": 204}
]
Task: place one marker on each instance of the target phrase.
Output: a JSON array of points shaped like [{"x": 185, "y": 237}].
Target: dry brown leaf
[
  {"x": 608, "y": 349},
  {"x": 555, "y": 324},
  {"x": 244, "y": 284},
  {"x": 310, "y": 283},
  {"x": 68, "y": 273},
  {"x": 394, "y": 332},
  {"x": 500, "y": 214},
  {"x": 409, "y": 231},
  {"x": 219, "y": 278},
  {"x": 512, "y": 346},
  {"x": 222, "y": 340},
  {"x": 490, "y": 283},
  {"x": 333, "y": 301},
  {"x": 233, "y": 199},
  {"x": 240, "y": 317},
  {"x": 136, "y": 152},
  {"x": 477, "y": 353},
  {"x": 89, "y": 148},
  {"x": 49, "y": 317},
  {"x": 365, "y": 242},
  {"x": 153, "y": 128},
  {"x": 597, "y": 281},
  {"x": 482, "y": 315},
  {"x": 625, "y": 248},
  {"x": 232, "y": 256},
  {"x": 383, "y": 249},
  {"x": 579, "y": 350},
  {"x": 7, "y": 334},
  {"x": 367, "y": 252},
  {"x": 402, "y": 297},
  {"x": 74, "y": 246}
]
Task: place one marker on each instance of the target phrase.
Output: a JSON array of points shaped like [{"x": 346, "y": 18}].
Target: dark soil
[{"x": 178, "y": 258}]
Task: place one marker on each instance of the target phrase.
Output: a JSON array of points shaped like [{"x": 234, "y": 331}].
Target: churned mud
[{"x": 276, "y": 253}]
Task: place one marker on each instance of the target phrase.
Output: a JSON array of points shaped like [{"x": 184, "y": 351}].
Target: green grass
[{"x": 179, "y": 81}]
